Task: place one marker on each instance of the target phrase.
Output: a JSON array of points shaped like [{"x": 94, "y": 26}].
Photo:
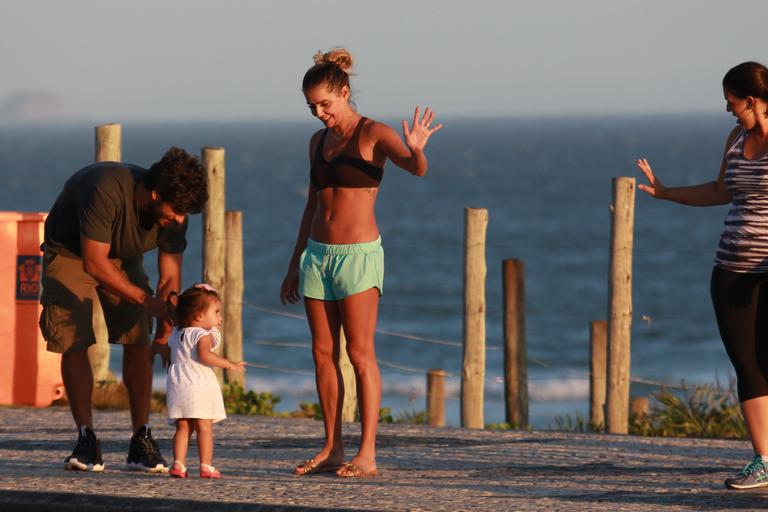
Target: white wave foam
[
  {"x": 558, "y": 390},
  {"x": 561, "y": 389}
]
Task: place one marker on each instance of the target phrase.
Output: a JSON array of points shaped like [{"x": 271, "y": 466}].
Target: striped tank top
[{"x": 744, "y": 243}]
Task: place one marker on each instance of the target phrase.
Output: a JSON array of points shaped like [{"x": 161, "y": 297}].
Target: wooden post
[
  {"x": 597, "y": 348},
  {"x": 639, "y": 406},
  {"x": 349, "y": 408},
  {"x": 214, "y": 228},
  {"x": 233, "y": 308},
  {"x": 107, "y": 148},
  {"x": 515, "y": 365},
  {"x": 436, "y": 397},
  {"x": 473, "y": 364},
  {"x": 108, "y": 143},
  {"x": 620, "y": 305}
]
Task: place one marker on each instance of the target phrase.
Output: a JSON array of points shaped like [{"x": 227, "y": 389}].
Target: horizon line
[{"x": 7, "y": 123}]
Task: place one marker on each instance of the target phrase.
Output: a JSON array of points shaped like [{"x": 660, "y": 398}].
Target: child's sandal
[
  {"x": 178, "y": 470},
  {"x": 207, "y": 471}
]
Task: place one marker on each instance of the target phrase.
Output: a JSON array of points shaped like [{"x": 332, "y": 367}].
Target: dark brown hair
[
  {"x": 747, "y": 79},
  {"x": 193, "y": 302},
  {"x": 330, "y": 69},
  {"x": 179, "y": 179}
]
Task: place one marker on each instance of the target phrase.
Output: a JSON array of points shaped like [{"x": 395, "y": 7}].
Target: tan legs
[
  {"x": 185, "y": 427},
  {"x": 756, "y": 416},
  {"x": 78, "y": 382},
  {"x": 358, "y": 313},
  {"x": 137, "y": 376},
  {"x": 324, "y": 325}
]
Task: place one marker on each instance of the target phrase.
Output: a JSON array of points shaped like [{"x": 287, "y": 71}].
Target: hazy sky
[{"x": 181, "y": 59}]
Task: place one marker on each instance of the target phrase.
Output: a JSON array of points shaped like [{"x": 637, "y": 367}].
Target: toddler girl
[{"x": 192, "y": 391}]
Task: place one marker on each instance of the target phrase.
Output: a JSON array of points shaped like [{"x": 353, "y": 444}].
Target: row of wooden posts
[{"x": 609, "y": 341}]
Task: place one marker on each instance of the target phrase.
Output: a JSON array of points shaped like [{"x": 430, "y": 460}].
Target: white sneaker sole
[
  {"x": 749, "y": 486},
  {"x": 138, "y": 466},
  {"x": 76, "y": 465}
]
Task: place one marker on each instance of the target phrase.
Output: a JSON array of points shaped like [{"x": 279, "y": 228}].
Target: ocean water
[{"x": 547, "y": 186}]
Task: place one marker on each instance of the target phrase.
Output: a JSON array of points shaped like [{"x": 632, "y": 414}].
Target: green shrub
[
  {"x": 503, "y": 426},
  {"x": 708, "y": 411},
  {"x": 238, "y": 401},
  {"x": 385, "y": 415},
  {"x": 411, "y": 417},
  {"x": 314, "y": 411},
  {"x": 310, "y": 410},
  {"x": 576, "y": 424}
]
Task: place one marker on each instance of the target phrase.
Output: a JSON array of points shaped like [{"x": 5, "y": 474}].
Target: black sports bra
[{"x": 344, "y": 171}]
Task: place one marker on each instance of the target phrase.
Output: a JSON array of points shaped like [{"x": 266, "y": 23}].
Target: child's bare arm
[{"x": 210, "y": 358}]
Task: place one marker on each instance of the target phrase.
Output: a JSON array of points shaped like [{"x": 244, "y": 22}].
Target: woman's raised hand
[
  {"x": 654, "y": 187},
  {"x": 416, "y": 136}
]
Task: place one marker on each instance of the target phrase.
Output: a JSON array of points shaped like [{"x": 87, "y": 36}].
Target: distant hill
[{"x": 35, "y": 107}]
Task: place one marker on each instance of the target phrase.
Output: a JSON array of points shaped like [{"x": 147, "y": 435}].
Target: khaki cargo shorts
[{"x": 68, "y": 298}]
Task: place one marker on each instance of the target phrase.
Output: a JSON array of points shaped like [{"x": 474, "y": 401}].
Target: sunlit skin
[
  {"x": 752, "y": 116},
  {"x": 211, "y": 317},
  {"x": 346, "y": 216}
]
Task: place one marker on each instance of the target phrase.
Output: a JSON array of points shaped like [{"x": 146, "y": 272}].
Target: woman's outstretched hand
[
  {"x": 416, "y": 136},
  {"x": 654, "y": 187},
  {"x": 289, "y": 290}
]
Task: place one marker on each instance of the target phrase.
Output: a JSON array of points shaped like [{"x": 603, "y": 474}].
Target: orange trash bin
[{"x": 29, "y": 374}]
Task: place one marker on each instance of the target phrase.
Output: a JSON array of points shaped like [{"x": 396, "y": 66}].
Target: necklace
[{"x": 349, "y": 130}]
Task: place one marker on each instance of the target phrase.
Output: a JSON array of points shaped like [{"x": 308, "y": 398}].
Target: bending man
[{"x": 106, "y": 217}]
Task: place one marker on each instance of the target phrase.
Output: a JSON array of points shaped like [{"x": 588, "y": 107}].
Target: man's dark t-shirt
[{"x": 98, "y": 203}]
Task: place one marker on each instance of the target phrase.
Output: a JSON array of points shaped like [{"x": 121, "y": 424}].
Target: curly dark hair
[
  {"x": 193, "y": 302},
  {"x": 179, "y": 179}
]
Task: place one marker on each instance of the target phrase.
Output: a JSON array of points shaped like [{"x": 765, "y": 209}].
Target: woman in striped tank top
[{"x": 739, "y": 284}]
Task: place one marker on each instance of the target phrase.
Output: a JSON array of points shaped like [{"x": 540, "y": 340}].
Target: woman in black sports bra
[{"x": 338, "y": 263}]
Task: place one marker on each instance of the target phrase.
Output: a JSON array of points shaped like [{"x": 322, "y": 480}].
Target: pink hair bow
[{"x": 206, "y": 287}]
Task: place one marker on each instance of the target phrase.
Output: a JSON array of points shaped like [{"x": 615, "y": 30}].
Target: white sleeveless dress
[{"x": 192, "y": 390}]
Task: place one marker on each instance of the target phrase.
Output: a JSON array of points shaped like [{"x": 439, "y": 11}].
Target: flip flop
[
  {"x": 349, "y": 470},
  {"x": 312, "y": 467},
  {"x": 208, "y": 471},
  {"x": 178, "y": 470}
]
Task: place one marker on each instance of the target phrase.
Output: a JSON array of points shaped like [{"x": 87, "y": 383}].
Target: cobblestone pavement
[{"x": 424, "y": 469}]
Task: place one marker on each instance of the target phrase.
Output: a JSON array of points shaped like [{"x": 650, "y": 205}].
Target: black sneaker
[
  {"x": 87, "y": 453},
  {"x": 144, "y": 455}
]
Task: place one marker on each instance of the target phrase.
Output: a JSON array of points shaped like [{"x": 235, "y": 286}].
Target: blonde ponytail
[
  {"x": 339, "y": 56},
  {"x": 331, "y": 68}
]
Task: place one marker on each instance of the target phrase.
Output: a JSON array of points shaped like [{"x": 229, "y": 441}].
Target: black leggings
[{"x": 741, "y": 308}]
